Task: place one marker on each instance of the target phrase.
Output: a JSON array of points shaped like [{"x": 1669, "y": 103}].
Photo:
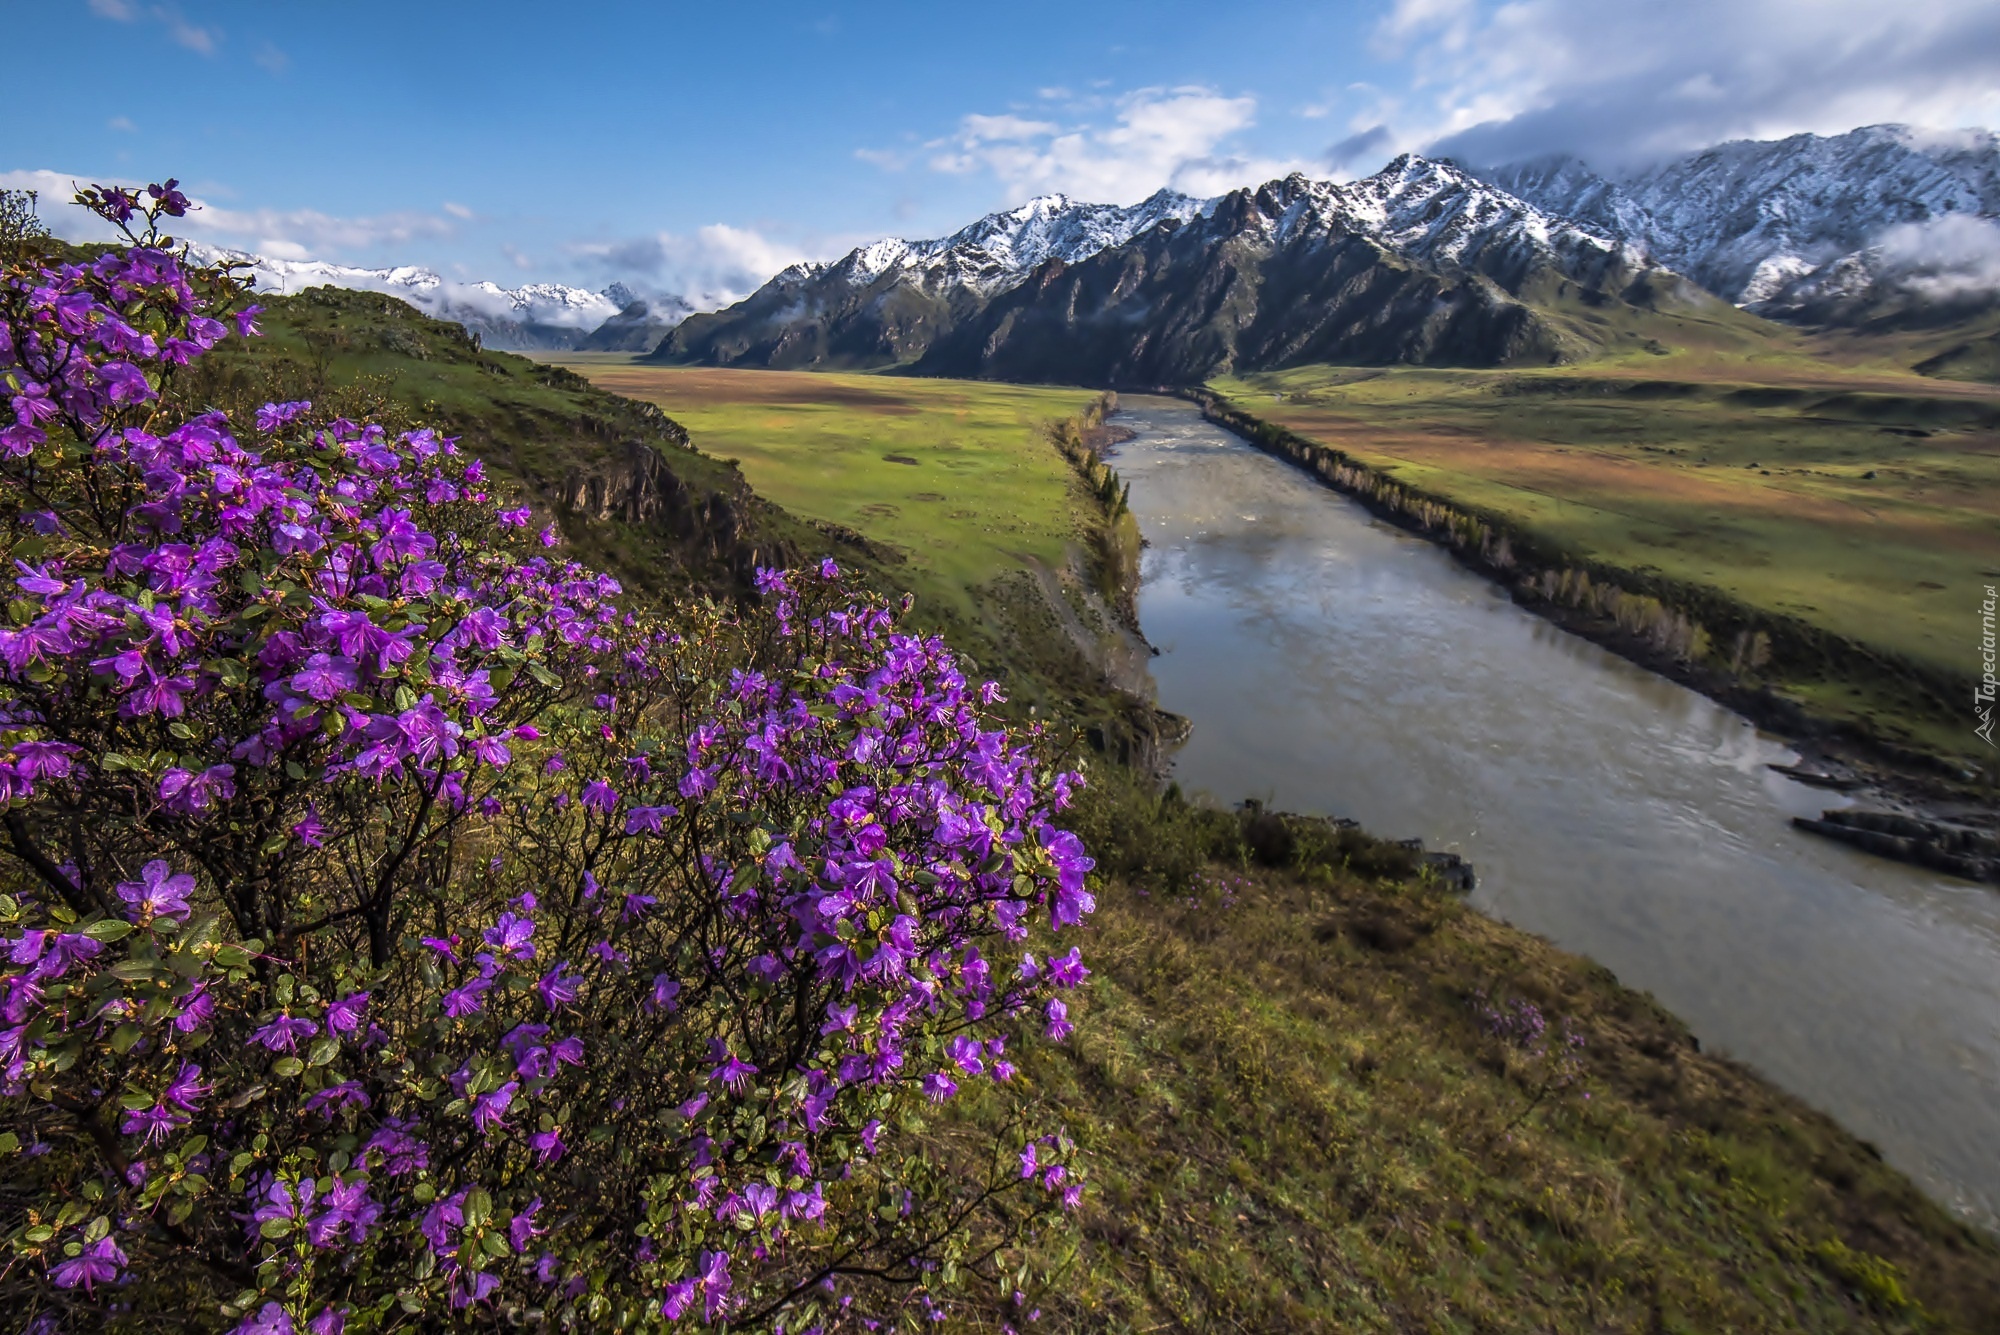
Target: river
[{"x": 1333, "y": 664}]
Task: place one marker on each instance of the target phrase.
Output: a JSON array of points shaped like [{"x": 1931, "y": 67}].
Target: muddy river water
[{"x": 1333, "y": 664}]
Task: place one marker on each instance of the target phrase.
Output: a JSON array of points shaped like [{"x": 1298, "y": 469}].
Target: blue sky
[{"x": 700, "y": 147}]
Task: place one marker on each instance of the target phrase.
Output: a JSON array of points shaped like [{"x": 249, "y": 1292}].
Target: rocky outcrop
[
  {"x": 1956, "y": 850},
  {"x": 710, "y": 528}
]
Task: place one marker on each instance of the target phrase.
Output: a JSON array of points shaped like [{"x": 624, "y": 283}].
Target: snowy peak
[
  {"x": 1427, "y": 209},
  {"x": 999, "y": 250},
  {"x": 532, "y": 316},
  {"x": 1753, "y": 220},
  {"x": 1435, "y": 213}
]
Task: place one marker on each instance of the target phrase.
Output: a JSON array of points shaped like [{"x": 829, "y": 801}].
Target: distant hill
[{"x": 1420, "y": 263}]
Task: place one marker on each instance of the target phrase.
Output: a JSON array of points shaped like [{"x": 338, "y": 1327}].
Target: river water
[{"x": 1336, "y": 665}]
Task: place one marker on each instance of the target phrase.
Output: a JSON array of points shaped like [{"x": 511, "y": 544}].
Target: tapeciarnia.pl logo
[{"x": 1982, "y": 696}]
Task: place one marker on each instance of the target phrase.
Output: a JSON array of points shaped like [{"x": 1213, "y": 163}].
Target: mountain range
[
  {"x": 1427, "y": 261},
  {"x": 1792, "y": 227},
  {"x": 537, "y": 316},
  {"x": 1549, "y": 259}
]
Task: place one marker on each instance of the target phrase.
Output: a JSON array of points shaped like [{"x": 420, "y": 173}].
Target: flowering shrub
[
  {"x": 400, "y": 931},
  {"x": 1547, "y": 1062}
]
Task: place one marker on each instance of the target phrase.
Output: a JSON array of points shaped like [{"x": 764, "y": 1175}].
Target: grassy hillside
[
  {"x": 1299, "y": 1119},
  {"x": 1862, "y": 500},
  {"x": 1295, "y": 1116}
]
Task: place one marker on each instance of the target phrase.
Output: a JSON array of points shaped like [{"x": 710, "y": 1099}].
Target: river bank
[
  {"x": 1676, "y": 631},
  {"x": 1336, "y": 665}
]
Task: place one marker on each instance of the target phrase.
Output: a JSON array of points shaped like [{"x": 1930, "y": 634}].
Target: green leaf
[
  {"x": 123, "y": 1037},
  {"x": 323, "y": 1051},
  {"x": 275, "y": 1228},
  {"x": 108, "y": 930},
  {"x": 9, "y": 1143},
  {"x": 288, "y": 1067}
]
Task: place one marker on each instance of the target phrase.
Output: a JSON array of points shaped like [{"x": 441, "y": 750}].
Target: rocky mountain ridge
[
  {"x": 1809, "y": 227},
  {"x": 1419, "y": 262}
]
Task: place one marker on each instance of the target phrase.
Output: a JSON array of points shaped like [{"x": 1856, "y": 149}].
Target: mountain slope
[
  {"x": 1791, "y": 226},
  {"x": 1418, "y": 263},
  {"x": 882, "y": 304}
]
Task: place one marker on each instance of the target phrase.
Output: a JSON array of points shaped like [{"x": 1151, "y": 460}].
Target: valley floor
[
  {"x": 1861, "y": 500},
  {"x": 1298, "y": 1113}
]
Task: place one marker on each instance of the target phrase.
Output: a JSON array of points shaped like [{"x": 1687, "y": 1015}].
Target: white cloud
[
  {"x": 190, "y": 35},
  {"x": 716, "y": 265},
  {"x": 457, "y": 211},
  {"x": 1496, "y": 81},
  {"x": 271, "y": 59},
  {"x": 1945, "y": 258},
  {"x": 1178, "y": 137},
  {"x": 123, "y": 123}
]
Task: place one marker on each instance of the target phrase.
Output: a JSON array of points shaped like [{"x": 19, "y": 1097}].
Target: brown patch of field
[{"x": 701, "y": 387}]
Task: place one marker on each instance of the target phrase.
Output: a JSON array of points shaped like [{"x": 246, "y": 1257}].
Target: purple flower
[
  {"x": 324, "y": 677},
  {"x": 1068, "y": 971},
  {"x": 308, "y": 830},
  {"x": 548, "y": 1145},
  {"x": 467, "y": 999},
  {"x": 730, "y": 1069},
  {"x": 344, "y": 1015},
  {"x": 600, "y": 797},
  {"x": 1058, "y": 1017},
  {"x": 348, "y": 1093},
  {"x": 270, "y": 1319},
  {"x": 965, "y": 1054},
  {"x": 283, "y": 1033},
  {"x": 488, "y": 1110},
  {"x": 186, "y": 792},
  {"x": 559, "y": 987},
  {"x": 938, "y": 1086},
  {"x": 511, "y": 935},
  {"x": 648, "y": 818},
  {"x": 158, "y": 893}
]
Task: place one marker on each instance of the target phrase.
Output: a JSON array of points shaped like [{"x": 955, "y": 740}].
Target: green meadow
[
  {"x": 1862, "y": 499},
  {"x": 958, "y": 477}
]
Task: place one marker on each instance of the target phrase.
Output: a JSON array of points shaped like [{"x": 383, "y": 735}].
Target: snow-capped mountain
[
  {"x": 1438, "y": 215},
  {"x": 536, "y": 315},
  {"x": 1001, "y": 249},
  {"x": 1773, "y": 224},
  {"x": 1450, "y": 255}
]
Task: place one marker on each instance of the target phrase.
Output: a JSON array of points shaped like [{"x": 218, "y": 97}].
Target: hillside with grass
[{"x": 1306, "y": 1084}]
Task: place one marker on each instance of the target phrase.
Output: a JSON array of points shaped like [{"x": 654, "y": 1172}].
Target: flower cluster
[{"x": 395, "y": 923}]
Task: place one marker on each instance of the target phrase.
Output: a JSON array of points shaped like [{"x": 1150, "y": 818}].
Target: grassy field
[
  {"x": 1862, "y": 499},
  {"x": 958, "y": 476},
  {"x": 1298, "y": 1119}
]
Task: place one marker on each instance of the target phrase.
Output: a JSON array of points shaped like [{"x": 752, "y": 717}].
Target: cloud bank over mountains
[{"x": 1616, "y": 82}]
